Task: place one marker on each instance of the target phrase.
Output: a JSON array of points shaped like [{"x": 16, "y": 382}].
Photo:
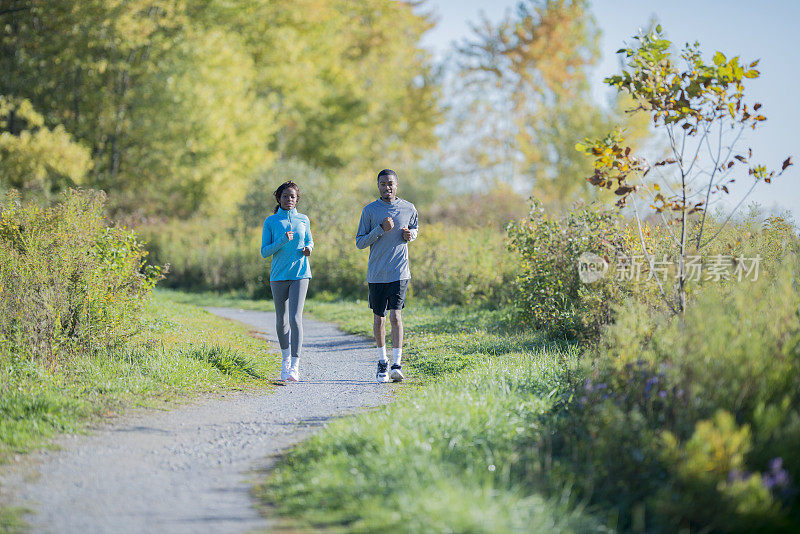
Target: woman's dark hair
[{"x": 279, "y": 192}]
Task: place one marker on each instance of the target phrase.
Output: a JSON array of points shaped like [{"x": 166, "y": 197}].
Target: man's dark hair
[{"x": 387, "y": 172}]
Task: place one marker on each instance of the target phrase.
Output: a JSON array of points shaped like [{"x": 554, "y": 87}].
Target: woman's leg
[
  {"x": 297, "y": 298},
  {"x": 280, "y": 294}
]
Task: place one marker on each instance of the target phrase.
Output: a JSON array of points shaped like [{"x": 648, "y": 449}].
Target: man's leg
[
  {"x": 379, "y": 329},
  {"x": 396, "y": 319},
  {"x": 397, "y": 298}
]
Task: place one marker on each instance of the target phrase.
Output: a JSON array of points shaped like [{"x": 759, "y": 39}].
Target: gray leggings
[{"x": 293, "y": 291}]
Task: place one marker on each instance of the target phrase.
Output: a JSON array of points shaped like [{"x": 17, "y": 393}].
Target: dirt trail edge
[{"x": 188, "y": 469}]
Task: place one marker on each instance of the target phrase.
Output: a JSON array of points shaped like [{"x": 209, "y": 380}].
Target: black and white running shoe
[
  {"x": 382, "y": 376},
  {"x": 397, "y": 373}
]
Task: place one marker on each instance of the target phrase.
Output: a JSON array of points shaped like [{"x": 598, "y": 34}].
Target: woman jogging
[{"x": 287, "y": 237}]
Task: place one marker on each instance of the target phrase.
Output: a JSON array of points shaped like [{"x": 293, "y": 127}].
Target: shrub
[
  {"x": 67, "y": 280},
  {"x": 549, "y": 293},
  {"x": 695, "y": 418},
  {"x": 208, "y": 253}
]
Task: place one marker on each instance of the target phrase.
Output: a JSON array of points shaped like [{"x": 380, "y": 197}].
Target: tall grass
[
  {"x": 449, "y": 265},
  {"x": 457, "y": 258},
  {"x": 694, "y": 419}
]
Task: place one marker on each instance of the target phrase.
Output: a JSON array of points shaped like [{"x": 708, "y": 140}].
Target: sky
[{"x": 768, "y": 30}]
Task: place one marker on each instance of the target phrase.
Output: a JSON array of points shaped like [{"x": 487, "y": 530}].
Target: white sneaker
[
  {"x": 382, "y": 376},
  {"x": 397, "y": 373},
  {"x": 294, "y": 375},
  {"x": 285, "y": 370}
]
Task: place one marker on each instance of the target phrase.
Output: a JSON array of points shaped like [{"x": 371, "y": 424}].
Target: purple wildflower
[{"x": 776, "y": 476}]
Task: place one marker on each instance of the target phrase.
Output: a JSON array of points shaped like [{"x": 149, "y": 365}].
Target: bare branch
[
  {"x": 730, "y": 215},
  {"x": 650, "y": 259},
  {"x": 697, "y": 152},
  {"x": 711, "y": 180}
]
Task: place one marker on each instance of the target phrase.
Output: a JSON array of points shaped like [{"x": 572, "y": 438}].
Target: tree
[
  {"x": 528, "y": 97},
  {"x": 34, "y": 158},
  {"x": 168, "y": 112},
  {"x": 702, "y": 111},
  {"x": 182, "y": 102},
  {"x": 350, "y": 80}
]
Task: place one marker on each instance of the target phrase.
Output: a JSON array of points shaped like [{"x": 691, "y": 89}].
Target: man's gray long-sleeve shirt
[{"x": 388, "y": 251}]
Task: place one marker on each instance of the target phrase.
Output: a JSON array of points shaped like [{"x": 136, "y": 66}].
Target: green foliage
[
  {"x": 68, "y": 282},
  {"x": 168, "y": 109},
  {"x": 181, "y": 102},
  {"x": 353, "y": 85},
  {"x": 549, "y": 292},
  {"x": 694, "y": 418},
  {"x": 709, "y": 471},
  {"x": 206, "y": 253}
]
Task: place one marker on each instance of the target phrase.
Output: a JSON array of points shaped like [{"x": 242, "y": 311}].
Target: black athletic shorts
[{"x": 387, "y": 296}]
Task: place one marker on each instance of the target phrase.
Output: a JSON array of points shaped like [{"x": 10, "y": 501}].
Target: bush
[
  {"x": 453, "y": 265},
  {"x": 695, "y": 418},
  {"x": 67, "y": 280},
  {"x": 549, "y": 293},
  {"x": 208, "y": 254}
]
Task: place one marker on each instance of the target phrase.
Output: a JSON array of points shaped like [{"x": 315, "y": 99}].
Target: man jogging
[{"x": 387, "y": 226}]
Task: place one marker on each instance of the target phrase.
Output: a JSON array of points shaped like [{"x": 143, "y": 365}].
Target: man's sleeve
[
  {"x": 365, "y": 236},
  {"x": 413, "y": 225}
]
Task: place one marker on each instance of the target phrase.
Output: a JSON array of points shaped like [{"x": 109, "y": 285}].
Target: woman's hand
[
  {"x": 306, "y": 251},
  {"x": 289, "y": 235}
]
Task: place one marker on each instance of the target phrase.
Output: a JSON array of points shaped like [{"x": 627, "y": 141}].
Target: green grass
[
  {"x": 180, "y": 351},
  {"x": 459, "y": 455},
  {"x": 11, "y": 520}
]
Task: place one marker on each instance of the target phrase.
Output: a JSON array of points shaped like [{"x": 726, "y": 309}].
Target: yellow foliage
[
  {"x": 33, "y": 157},
  {"x": 717, "y": 447}
]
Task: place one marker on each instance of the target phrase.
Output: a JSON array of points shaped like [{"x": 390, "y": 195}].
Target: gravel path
[{"x": 187, "y": 469}]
